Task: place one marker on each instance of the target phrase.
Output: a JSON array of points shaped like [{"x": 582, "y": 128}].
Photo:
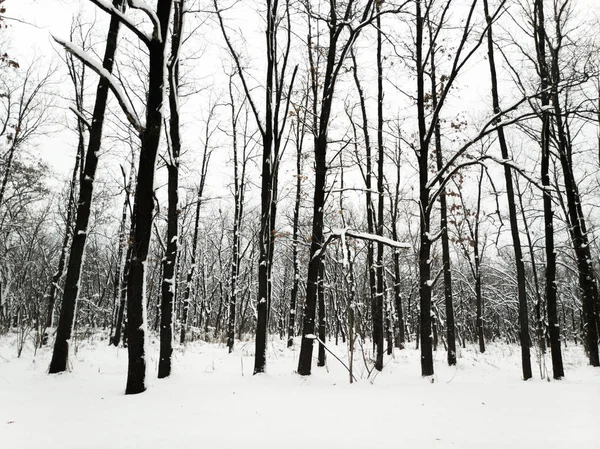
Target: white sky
[{"x": 54, "y": 16}]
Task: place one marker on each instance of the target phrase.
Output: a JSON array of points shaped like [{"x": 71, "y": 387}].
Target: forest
[{"x": 336, "y": 182}]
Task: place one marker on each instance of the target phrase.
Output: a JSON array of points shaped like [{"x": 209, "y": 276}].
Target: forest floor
[{"x": 212, "y": 400}]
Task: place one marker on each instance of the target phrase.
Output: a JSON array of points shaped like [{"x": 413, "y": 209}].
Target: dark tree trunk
[
  {"x": 239, "y": 185},
  {"x": 322, "y": 320},
  {"x": 169, "y": 278},
  {"x": 389, "y": 334},
  {"x": 308, "y": 325},
  {"x": 425, "y": 283},
  {"x": 512, "y": 210},
  {"x": 66, "y": 237},
  {"x": 271, "y": 140},
  {"x": 143, "y": 208},
  {"x": 448, "y": 298},
  {"x": 320, "y": 149},
  {"x": 477, "y": 271},
  {"x": 369, "y": 198},
  {"x": 123, "y": 294},
  {"x": 539, "y": 318},
  {"x": 400, "y": 337},
  {"x": 551, "y": 286},
  {"x": 264, "y": 243},
  {"x": 578, "y": 228},
  {"x": 378, "y": 328},
  {"x": 296, "y": 274},
  {"x": 263, "y": 261},
  {"x": 60, "y": 355}
]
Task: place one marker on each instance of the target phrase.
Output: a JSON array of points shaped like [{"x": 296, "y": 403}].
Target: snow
[{"x": 212, "y": 400}]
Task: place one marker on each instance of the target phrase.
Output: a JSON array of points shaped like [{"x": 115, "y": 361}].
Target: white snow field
[{"x": 213, "y": 401}]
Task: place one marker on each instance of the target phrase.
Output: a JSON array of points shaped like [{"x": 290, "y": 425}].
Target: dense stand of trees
[{"x": 336, "y": 189}]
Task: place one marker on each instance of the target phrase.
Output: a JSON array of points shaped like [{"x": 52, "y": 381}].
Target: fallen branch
[{"x": 337, "y": 358}]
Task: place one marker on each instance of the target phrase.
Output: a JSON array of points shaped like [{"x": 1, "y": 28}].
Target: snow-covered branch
[
  {"x": 110, "y": 9},
  {"x": 343, "y": 233},
  {"x": 143, "y": 6},
  {"x": 374, "y": 238},
  {"x": 486, "y": 130},
  {"x": 113, "y": 83},
  {"x": 81, "y": 117}
]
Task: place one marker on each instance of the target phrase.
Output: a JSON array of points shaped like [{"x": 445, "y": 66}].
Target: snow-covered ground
[{"x": 213, "y": 401}]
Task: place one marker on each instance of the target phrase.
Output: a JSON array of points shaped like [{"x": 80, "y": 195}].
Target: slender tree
[
  {"x": 122, "y": 265},
  {"x": 271, "y": 127},
  {"x": 378, "y": 328},
  {"x": 338, "y": 49},
  {"x": 60, "y": 354},
  {"x": 169, "y": 279},
  {"x": 206, "y": 155},
  {"x": 78, "y": 79},
  {"x": 578, "y": 227},
  {"x": 446, "y": 264},
  {"x": 512, "y": 207},
  {"x": 299, "y": 134},
  {"x": 239, "y": 185}
]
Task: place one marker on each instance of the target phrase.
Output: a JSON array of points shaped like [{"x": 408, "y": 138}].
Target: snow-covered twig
[{"x": 112, "y": 81}]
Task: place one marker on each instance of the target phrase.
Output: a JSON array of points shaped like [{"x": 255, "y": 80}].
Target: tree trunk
[
  {"x": 321, "y": 303},
  {"x": 512, "y": 210},
  {"x": 578, "y": 228},
  {"x": 169, "y": 279},
  {"x": 308, "y": 325},
  {"x": 334, "y": 62},
  {"x": 238, "y": 184},
  {"x": 143, "y": 208},
  {"x": 400, "y": 338},
  {"x": 425, "y": 283},
  {"x": 372, "y": 273},
  {"x": 66, "y": 237},
  {"x": 118, "y": 294},
  {"x": 446, "y": 266},
  {"x": 378, "y": 327},
  {"x": 60, "y": 354},
  {"x": 295, "y": 236}
]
